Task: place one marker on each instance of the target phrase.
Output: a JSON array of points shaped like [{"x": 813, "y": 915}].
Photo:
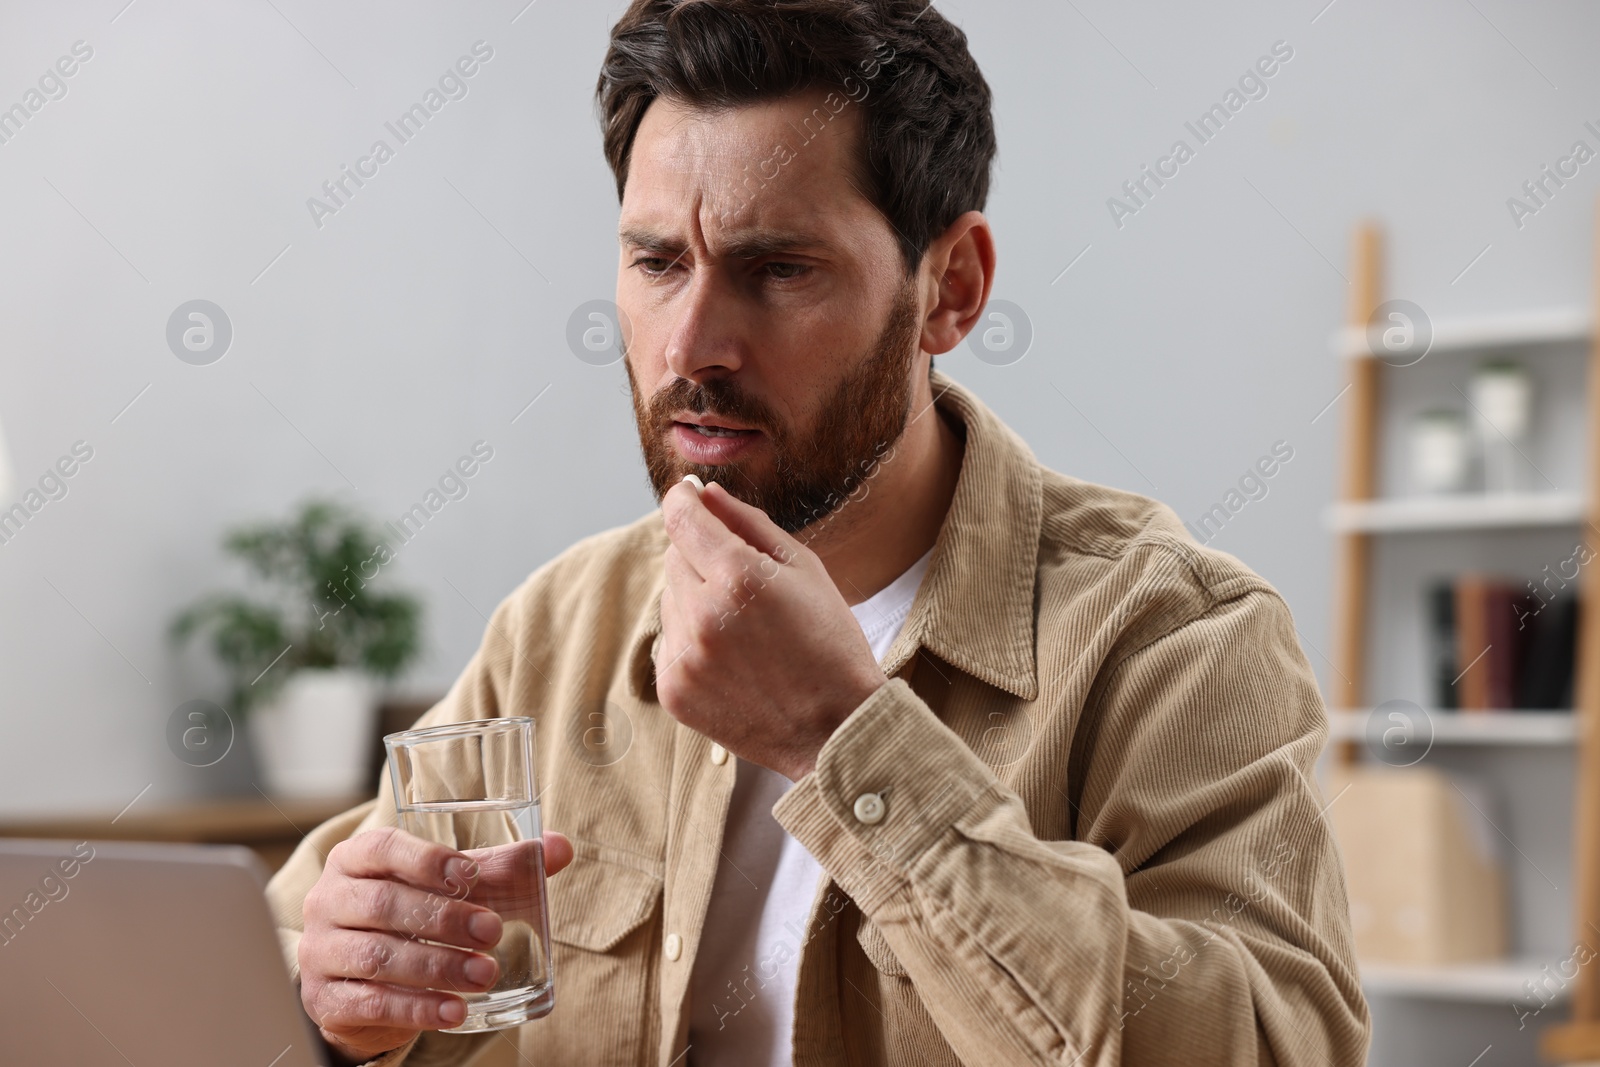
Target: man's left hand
[{"x": 758, "y": 650}]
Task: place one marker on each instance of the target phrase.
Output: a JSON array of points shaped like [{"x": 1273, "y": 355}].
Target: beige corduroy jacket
[{"x": 1101, "y": 840}]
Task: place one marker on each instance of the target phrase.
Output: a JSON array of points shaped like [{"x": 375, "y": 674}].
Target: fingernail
[
  {"x": 485, "y": 926},
  {"x": 694, "y": 480},
  {"x": 480, "y": 970},
  {"x": 453, "y": 1011}
]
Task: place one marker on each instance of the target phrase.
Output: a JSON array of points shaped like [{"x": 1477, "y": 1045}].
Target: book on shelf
[
  {"x": 1492, "y": 645},
  {"x": 1473, "y": 663},
  {"x": 1442, "y": 644},
  {"x": 1550, "y": 657}
]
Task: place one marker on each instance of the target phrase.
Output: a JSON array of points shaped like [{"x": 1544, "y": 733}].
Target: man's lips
[
  {"x": 710, "y": 422},
  {"x": 710, "y": 444},
  {"x": 715, "y": 430}
]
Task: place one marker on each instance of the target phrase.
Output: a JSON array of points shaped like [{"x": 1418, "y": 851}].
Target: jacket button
[
  {"x": 719, "y": 755},
  {"x": 673, "y": 947},
  {"x": 869, "y": 808}
]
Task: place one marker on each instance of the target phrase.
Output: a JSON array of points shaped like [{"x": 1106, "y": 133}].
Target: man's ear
[{"x": 958, "y": 273}]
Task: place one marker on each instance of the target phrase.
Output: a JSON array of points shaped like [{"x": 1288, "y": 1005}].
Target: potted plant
[{"x": 303, "y": 660}]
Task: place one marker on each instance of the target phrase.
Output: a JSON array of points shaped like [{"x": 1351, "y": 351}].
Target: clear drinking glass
[{"x": 471, "y": 786}]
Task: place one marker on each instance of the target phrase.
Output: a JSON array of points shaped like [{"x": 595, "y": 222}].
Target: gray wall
[{"x": 372, "y": 350}]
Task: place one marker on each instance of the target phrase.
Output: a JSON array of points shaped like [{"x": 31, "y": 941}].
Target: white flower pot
[{"x": 314, "y": 738}]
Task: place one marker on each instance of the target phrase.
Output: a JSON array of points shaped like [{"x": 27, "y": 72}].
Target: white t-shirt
[{"x": 741, "y": 994}]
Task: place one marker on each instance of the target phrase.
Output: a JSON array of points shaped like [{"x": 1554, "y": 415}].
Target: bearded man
[{"x": 890, "y": 745}]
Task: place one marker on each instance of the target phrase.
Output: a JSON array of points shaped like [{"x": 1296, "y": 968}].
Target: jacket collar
[{"x": 975, "y": 607}]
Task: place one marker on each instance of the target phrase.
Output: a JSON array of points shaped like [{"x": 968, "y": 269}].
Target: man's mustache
[{"x": 719, "y": 398}]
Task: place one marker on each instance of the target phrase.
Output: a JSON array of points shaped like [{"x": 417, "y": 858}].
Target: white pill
[{"x": 694, "y": 479}]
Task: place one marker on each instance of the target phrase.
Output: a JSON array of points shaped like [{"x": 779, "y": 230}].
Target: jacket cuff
[{"x": 889, "y": 783}]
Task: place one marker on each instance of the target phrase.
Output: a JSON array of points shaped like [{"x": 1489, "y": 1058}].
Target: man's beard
[{"x": 811, "y": 474}]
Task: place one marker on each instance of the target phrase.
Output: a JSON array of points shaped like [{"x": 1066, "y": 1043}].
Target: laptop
[{"x": 150, "y": 955}]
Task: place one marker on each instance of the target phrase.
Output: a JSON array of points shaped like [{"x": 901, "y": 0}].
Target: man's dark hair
[{"x": 929, "y": 135}]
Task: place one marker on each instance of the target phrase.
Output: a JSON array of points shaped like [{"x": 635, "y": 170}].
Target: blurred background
[{"x": 208, "y": 324}]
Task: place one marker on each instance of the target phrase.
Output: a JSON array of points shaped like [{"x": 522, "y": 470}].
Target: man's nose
[{"x": 706, "y": 340}]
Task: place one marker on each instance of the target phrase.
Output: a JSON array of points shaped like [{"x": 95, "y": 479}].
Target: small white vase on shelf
[
  {"x": 1441, "y": 451},
  {"x": 1502, "y": 400}
]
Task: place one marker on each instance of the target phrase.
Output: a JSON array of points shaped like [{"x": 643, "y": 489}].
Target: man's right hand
[{"x": 365, "y": 979}]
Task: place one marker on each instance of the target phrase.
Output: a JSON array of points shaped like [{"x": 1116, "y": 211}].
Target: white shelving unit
[
  {"x": 1390, "y": 548},
  {"x": 1501, "y": 982},
  {"x": 1458, "y": 511},
  {"x": 1547, "y": 326},
  {"x": 1475, "y": 727}
]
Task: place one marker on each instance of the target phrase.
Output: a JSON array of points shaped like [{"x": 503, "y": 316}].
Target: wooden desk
[{"x": 271, "y": 827}]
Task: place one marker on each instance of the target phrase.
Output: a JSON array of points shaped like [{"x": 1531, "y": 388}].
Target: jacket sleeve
[
  {"x": 476, "y": 694},
  {"x": 1200, "y": 913}
]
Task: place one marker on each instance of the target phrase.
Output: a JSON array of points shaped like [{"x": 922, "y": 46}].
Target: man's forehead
[
  {"x": 773, "y": 171},
  {"x": 676, "y": 135}
]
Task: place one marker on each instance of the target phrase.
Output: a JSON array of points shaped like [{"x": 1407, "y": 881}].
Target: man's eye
[
  {"x": 653, "y": 266},
  {"x": 657, "y": 266}
]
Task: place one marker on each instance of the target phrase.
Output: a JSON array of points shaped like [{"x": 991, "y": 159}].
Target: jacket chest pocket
[{"x": 604, "y": 926}]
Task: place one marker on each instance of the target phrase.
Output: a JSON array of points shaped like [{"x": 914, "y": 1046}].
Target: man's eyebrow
[{"x": 748, "y": 244}]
